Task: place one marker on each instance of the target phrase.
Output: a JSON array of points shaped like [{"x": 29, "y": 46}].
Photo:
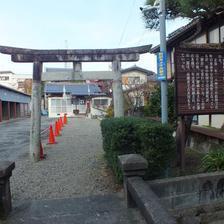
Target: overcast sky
[{"x": 54, "y": 24}]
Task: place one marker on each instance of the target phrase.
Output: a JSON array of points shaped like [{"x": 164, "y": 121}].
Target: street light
[{"x": 161, "y": 60}]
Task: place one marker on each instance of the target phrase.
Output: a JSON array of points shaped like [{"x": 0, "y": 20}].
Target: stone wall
[
  {"x": 205, "y": 139},
  {"x": 190, "y": 190},
  {"x": 194, "y": 199}
]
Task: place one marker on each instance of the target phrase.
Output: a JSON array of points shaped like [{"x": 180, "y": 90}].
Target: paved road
[
  {"x": 14, "y": 137},
  {"x": 100, "y": 209}
]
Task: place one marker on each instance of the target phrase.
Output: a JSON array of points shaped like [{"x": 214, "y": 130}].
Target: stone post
[
  {"x": 6, "y": 168},
  {"x": 36, "y": 112},
  {"x": 117, "y": 90},
  {"x": 132, "y": 165}
]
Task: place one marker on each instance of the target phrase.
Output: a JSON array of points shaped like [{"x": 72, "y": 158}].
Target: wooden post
[
  {"x": 183, "y": 142},
  {"x": 19, "y": 110},
  {"x": 0, "y": 110},
  {"x": 8, "y": 110},
  {"x": 117, "y": 90},
  {"x": 24, "y": 110},
  {"x": 210, "y": 120},
  {"x": 36, "y": 112},
  {"x": 14, "y": 110}
]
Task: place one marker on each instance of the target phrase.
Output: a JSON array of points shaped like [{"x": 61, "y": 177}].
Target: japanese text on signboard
[
  {"x": 161, "y": 66},
  {"x": 199, "y": 81}
]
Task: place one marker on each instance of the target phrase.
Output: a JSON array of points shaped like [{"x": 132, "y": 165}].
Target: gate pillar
[
  {"x": 117, "y": 90},
  {"x": 36, "y": 112}
]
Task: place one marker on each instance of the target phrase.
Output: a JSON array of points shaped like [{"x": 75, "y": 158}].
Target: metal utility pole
[{"x": 164, "y": 93}]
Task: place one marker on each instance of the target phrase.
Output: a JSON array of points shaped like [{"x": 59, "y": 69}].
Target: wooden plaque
[{"x": 199, "y": 75}]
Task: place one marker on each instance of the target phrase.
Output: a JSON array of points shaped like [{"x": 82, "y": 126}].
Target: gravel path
[{"x": 73, "y": 167}]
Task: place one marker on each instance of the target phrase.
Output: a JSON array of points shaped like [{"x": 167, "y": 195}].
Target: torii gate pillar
[
  {"x": 36, "y": 112},
  {"x": 117, "y": 90}
]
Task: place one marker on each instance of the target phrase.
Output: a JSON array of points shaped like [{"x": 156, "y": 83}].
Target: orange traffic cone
[
  {"x": 61, "y": 122},
  {"x": 65, "y": 119},
  {"x": 59, "y": 125},
  {"x": 57, "y": 132},
  {"x": 51, "y": 139},
  {"x": 42, "y": 156}
]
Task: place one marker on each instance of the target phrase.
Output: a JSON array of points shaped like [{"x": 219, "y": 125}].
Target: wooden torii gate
[{"x": 38, "y": 57}]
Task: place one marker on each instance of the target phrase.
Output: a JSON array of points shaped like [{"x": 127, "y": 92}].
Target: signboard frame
[{"x": 182, "y": 75}]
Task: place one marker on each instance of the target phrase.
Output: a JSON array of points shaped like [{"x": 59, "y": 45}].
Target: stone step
[{"x": 99, "y": 209}]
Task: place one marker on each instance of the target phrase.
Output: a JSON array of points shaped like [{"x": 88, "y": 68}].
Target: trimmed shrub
[
  {"x": 157, "y": 146},
  {"x": 137, "y": 135}
]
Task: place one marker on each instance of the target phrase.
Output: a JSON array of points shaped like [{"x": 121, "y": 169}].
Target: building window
[
  {"x": 81, "y": 102},
  {"x": 100, "y": 102},
  {"x": 21, "y": 85},
  {"x": 60, "y": 105},
  {"x": 4, "y": 78},
  {"x": 222, "y": 34},
  {"x": 133, "y": 80},
  {"x": 213, "y": 36}
]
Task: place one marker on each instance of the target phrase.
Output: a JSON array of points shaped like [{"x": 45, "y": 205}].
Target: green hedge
[{"x": 135, "y": 135}]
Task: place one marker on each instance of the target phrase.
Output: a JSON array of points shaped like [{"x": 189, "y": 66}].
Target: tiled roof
[
  {"x": 73, "y": 89},
  {"x": 14, "y": 90},
  {"x": 6, "y": 72},
  {"x": 185, "y": 32}
]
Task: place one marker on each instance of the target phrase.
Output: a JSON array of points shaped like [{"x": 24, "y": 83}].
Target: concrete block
[
  {"x": 148, "y": 203},
  {"x": 133, "y": 164},
  {"x": 6, "y": 168}
]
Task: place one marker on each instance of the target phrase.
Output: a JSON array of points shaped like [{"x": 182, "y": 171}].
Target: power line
[
  {"x": 126, "y": 24},
  {"x": 141, "y": 37}
]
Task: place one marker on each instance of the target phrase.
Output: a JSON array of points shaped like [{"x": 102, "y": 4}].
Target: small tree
[
  {"x": 181, "y": 8},
  {"x": 136, "y": 96},
  {"x": 153, "y": 108}
]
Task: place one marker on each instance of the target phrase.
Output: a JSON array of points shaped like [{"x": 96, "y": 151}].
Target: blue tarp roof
[{"x": 73, "y": 89}]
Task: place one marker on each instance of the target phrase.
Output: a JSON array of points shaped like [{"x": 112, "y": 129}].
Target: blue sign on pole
[{"x": 161, "y": 66}]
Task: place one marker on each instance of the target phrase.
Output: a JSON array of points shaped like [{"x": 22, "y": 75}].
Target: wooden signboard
[{"x": 199, "y": 75}]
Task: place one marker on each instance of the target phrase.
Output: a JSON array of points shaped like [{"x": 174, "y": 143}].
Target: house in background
[
  {"x": 8, "y": 79},
  {"x": 137, "y": 84},
  {"x": 134, "y": 80},
  {"x": 20, "y": 82},
  {"x": 70, "y": 98},
  {"x": 136, "y": 75},
  {"x": 198, "y": 31}
]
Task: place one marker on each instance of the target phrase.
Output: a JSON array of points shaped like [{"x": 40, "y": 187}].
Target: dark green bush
[
  {"x": 214, "y": 160},
  {"x": 137, "y": 135}
]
